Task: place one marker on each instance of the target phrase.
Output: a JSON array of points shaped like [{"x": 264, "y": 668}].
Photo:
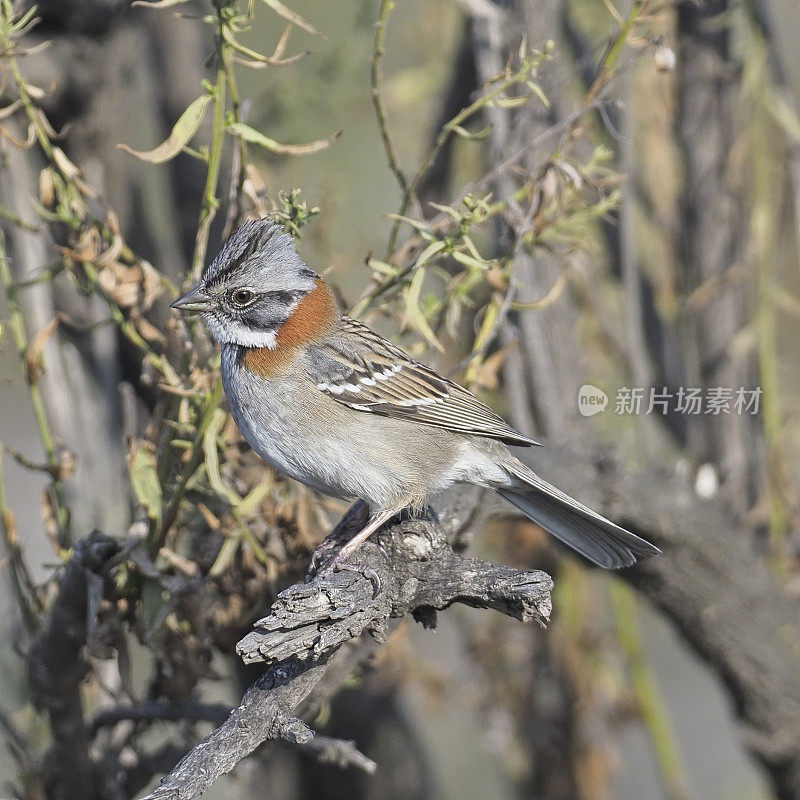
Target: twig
[
  {"x": 210, "y": 203},
  {"x": 195, "y": 457},
  {"x": 266, "y": 712},
  {"x": 171, "y": 711},
  {"x": 24, "y": 587},
  {"x": 239, "y": 160},
  {"x": 520, "y": 76},
  {"x": 17, "y": 327},
  {"x": 159, "y": 362},
  {"x": 340, "y": 752},
  {"x": 377, "y": 99}
]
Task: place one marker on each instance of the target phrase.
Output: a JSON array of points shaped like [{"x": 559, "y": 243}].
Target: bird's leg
[{"x": 353, "y": 544}]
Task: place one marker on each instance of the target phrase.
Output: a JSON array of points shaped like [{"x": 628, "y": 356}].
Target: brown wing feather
[{"x": 362, "y": 370}]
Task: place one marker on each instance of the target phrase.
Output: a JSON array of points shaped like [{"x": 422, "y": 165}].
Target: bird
[{"x": 327, "y": 401}]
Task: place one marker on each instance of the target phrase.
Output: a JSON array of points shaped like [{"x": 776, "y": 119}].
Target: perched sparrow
[{"x": 329, "y": 402}]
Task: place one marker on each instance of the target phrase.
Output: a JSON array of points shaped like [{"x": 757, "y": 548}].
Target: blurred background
[{"x": 631, "y": 229}]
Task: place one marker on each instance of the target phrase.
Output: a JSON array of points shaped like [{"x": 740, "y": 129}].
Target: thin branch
[
  {"x": 17, "y": 326},
  {"x": 376, "y": 77},
  {"x": 170, "y": 711},
  {"x": 189, "y": 469},
  {"x": 210, "y": 203},
  {"x": 24, "y": 587}
]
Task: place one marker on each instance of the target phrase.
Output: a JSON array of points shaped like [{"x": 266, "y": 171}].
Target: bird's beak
[{"x": 194, "y": 300}]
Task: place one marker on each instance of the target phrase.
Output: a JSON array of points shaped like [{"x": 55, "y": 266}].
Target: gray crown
[{"x": 260, "y": 238}]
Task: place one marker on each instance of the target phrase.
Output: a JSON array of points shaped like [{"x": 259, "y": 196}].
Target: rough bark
[
  {"x": 407, "y": 568},
  {"x": 712, "y": 235}
]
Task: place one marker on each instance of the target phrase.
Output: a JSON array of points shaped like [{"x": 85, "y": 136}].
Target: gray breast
[{"x": 334, "y": 449}]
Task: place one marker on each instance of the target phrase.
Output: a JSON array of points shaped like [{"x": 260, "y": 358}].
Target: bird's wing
[{"x": 362, "y": 370}]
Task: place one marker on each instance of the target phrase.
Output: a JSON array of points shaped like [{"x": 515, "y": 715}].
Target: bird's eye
[{"x": 241, "y": 297}]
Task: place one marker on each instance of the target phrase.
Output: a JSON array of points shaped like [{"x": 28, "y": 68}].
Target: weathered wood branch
[
  {"x": 408, "y": 567},
  {"x": 57, "y": 667}
]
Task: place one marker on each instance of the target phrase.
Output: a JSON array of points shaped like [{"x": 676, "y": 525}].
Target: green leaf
[
  {"x": 415, "y": 290},
  {"x": 414, "y": 315},
  {"x": 184, "y": 129},
  {"x": 293, "y": 17},
  {"x": 784, "y": 115},
  {"x": 451, "y": 212},
  {"x": 144, "y": 479},
  {"x": 225, "y": 555},
  {"x": 431, "y": 250},
  {"x": 254, "y": 497},
  {"x": 382, "y": 267},
  {"x": 465, "y": 134},
  {"x": 416, "y": 224},
  {"x": 212, "y": 458},
  {"x": 471, "y": 247},
  {"x": 537, "y": 90},
  {"x": 469, "y": 261},
  {"x": 253, "y": 136},
  {"x": 152, "y": 601},
  {"x": 508, "y": 102}
]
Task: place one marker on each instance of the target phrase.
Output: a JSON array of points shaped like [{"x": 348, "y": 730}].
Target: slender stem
[
  {"x": 15, "y": 219},
  {"x": 17, "y": 326},
  {"x": 236, "y": 107},
  {"x": 612, "y": 54},
  {"x": 189, "y": 469},
  {"x": 649, "y": 699},
  {"x": 763, "y": 225},
  {"x": 31, "y": 112},
  {"x": 20, "y": 575},
  {"x": 210, "y": 203},
  {"x": 376, "y": 77}
]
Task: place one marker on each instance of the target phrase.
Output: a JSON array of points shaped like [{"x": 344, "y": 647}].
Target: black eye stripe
[{"x": 284, "y": 297}]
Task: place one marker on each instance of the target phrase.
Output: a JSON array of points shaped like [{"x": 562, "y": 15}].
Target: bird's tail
[{"x": 590, "y": 534}]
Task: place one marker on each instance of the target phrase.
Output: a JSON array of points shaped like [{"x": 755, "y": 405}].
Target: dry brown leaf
[
  {"x": 111, "y": 253},
  {"x": 149, "y": 331},
  {"x": 66, "y": 464},
  {"x": 112, "y": 222},
  {"x": 49, "y": 520},
  {"x": 130, "y": 287},
  {"x": 71, "y": 172},
  {"x": 34, "y": 364},
  {"x": 211, "y": 519},
  {"x": 47, "y": 193},
  {"x": 486, "y": 373},
  {"x": 151, "y": 284},
  {"x": 21, "y": 143}
]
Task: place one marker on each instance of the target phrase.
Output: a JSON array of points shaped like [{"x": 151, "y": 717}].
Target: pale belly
[
  {"x": 341, "y": 452},
  {"x": 310, "y": 437}
]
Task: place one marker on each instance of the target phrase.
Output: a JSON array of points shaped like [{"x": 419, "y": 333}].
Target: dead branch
[
  {"x": 409, "y": 567},
  {"x": 57, "y": 666}
]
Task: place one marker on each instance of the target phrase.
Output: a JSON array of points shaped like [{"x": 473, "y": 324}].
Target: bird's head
[{"x": 252, "y": 287}]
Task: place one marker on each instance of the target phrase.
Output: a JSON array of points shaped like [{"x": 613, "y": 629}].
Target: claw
[{"x": 366, "y": 571}]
